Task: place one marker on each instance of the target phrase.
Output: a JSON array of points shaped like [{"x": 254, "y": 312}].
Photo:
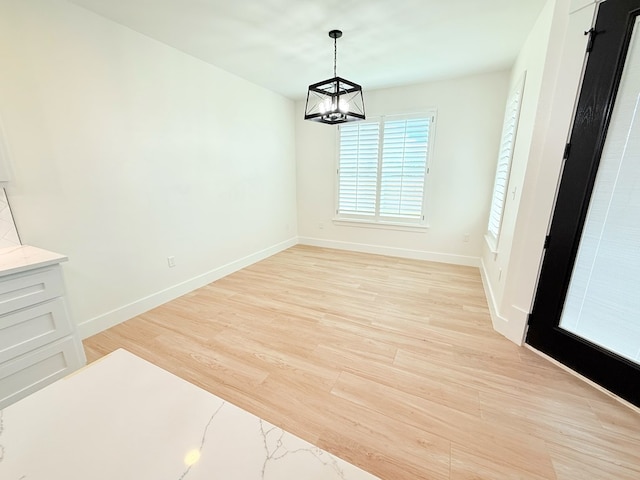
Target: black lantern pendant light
[{"x": 335, "y": 100}]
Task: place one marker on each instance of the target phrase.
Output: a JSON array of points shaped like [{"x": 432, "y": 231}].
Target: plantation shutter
[
  {"x": 505, "y": 155},
  {"x": 405, "y": 148},
  {"x": 358, "y": 168}
]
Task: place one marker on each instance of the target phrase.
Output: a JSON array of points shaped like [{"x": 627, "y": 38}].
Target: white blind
[
  {"x": 505, "y": 155},
  {"x": 358, "y": 168},
  {"x": 382, "y": 168},
  {"x": 404, "y": 161}
]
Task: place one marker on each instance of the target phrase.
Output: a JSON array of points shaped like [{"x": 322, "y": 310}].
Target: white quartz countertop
[
  {"x": 124, "y": 418},
  {"x": 26, "y": 257}
]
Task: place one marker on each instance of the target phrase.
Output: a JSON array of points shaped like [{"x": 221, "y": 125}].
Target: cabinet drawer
[
  {"x": 29, "y": 288},
  {"x": 33, "y": 327},
  {"x": 30, "y": 372}
]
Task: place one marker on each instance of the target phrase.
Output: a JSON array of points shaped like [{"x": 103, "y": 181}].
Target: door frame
[{"x": 605, "y": 64}]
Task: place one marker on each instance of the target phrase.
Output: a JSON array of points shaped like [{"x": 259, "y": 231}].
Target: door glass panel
[{"x": 603, "y": 300}]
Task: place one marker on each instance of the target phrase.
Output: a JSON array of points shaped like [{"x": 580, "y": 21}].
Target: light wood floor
[{"x": 391, "y": 364}]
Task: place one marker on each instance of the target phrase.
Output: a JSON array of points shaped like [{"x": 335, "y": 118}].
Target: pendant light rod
[{"x": 335, "y": 34}]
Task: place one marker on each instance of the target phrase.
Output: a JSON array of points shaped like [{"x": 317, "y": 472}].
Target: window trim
[
  {"x": 493, "y": 239},
  {"x": 385, "y": 221},
  {"x": 404, "y": 227}
]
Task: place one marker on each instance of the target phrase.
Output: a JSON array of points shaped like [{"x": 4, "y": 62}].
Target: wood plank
[{"x": 391, "y": 364}]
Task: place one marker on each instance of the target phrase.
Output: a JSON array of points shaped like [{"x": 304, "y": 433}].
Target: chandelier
[{"x": 335, "y": 100}]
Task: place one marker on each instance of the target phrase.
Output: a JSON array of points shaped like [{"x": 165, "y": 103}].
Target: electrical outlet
[
  {"x": 171, "y": 261},
  {"x": 466, "y": 237},
  {"x": 321, "y": 226}
]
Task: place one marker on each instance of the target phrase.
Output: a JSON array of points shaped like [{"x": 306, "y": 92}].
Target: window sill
[
  {"x": 491, "y": 243},
  {"x": 403, "y": 227}
]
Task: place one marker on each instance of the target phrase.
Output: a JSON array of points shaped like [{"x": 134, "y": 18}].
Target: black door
[{"x": 587, "y": 308}]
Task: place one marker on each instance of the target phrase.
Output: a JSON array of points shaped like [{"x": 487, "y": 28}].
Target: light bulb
[
  {"x": 325, "y": 106},
  {"x": 343, "y": 106}
]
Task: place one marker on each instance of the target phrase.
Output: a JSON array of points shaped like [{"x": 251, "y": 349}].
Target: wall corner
[{"x": 513, "y": 326}]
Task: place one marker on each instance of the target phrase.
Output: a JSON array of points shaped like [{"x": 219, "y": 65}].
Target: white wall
[
  {"x": 469, "y": 121},
  {"x": 553, "y": 57},
  {"x": 8, "y": 233},
  {"x": 126, "y": 151}
]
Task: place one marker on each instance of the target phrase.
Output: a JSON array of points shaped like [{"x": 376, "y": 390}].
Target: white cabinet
[{"x": 38, "y": 342}]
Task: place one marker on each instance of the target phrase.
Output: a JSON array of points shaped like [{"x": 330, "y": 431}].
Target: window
[
  {"x": 382, "y": 169},
  {"x": 505, "y": 155}
]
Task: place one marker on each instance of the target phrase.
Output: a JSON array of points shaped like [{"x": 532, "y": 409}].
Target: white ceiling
[{"x": 283, "y": 45}]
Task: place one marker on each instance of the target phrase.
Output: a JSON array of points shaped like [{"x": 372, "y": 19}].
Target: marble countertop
[
  {"x": 124, "y": 418},
  {"x": 25, "y": 257}
]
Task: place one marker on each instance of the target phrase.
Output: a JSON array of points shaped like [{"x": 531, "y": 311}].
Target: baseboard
[
  {"x": 392, "y": 251},
  {"x": 119, "y": 315},
  {"x": 512, "y": 330}
]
